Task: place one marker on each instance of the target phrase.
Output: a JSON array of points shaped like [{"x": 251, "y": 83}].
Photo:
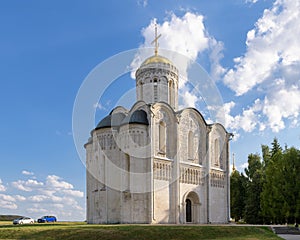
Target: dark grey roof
[
  {"x": 138, "y": 116},
  {"x": 112, "y": 120}
]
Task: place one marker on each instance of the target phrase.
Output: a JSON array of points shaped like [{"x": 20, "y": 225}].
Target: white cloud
[
  {"x": 270, "y": 112},
  {"x": 7, "y": 202},
  {"x": 8, "y": 205},
  {"x": 185, "y": 38},
  {"x": 50, "y": 196},
  {"x": 56, "y": 182},
  {"x": 248, "y": 120},
  {"x": 251, "y": 1},
  {"x": 47, "y": 192},
  {"x": 37, "y": 210},
  {"x": 272, "y": 46},
  {"x": 142, "y": 3},
  {"x": 20, "y": 198},
  {"x": 189, "y": 99},
  {"x": 215, "y": 56},
  {"x": 284, "y": 103},
  {"x": 7, "y": 198},
  {"x": 27, "y": 186},
  {"x": 74, "y": 193},
  {"x": 2, "y": 187},
  {"x": 99, "y": 106},
  {"x": 24, "y": 172},
  {"x": 38, "y": 198},
  {"x": 271, "y": 65},
  {"x": 58, "y": 205}
]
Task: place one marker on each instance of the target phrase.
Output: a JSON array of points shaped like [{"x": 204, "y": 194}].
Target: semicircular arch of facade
[
  {"x": 193, "y": 196},
  {"x": 141, "y": 105},
  {"x": 185, "y": 112},
  {"x": 119, "y": 109},
  {"x": 165, "y": 107},
  {"x": 219, "y": 128}
]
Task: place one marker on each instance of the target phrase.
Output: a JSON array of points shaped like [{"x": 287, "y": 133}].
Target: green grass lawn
[{"x": 74, "y": 230}]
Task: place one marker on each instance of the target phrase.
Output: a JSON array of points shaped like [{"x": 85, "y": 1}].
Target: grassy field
[{"x": 125, "y": 232}]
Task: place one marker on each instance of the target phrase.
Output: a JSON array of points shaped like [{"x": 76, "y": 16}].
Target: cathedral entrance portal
[{"x": 192, "y": 208}]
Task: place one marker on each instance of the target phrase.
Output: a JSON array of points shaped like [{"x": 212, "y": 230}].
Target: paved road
[{"x": 289, "y": 236}]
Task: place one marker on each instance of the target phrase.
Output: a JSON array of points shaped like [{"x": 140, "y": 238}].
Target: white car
[{"x": 23, "y": 220}]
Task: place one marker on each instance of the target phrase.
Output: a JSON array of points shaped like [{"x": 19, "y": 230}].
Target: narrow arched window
[
  {"x": 191, "y": 145},
  {"x": 216, "y": 152},
  {"x": 127, "y": 172},
  {"x": 141, "y": 91},
  {"x": 171, "y": 92},
  {"x": 162, "y": 137},
  {"x": 155, "y": 90},
  {"x": 104, "y": 173}
]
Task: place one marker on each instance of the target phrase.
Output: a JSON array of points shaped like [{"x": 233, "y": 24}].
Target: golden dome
[{"x": 156, "y": 59}]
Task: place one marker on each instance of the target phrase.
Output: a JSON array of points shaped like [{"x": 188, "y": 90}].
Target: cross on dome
[{"x": 156, "y": 41}]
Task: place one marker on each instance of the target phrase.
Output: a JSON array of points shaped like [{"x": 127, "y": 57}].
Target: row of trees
[{"x": 269, "y": 191}]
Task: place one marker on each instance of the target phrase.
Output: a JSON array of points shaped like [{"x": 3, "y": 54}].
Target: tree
[
  {"x": 271, "y": 187},
  {"x": 281, "y": 185},
  {"x": 291, "y": 183},
  {"x": 253, "y": 189},
  {"x": 275, "y": 147},
  {"x": 272, "y": 200},
  {"x": 237, "y": 195},
  {"x": 266, "y": 155}
]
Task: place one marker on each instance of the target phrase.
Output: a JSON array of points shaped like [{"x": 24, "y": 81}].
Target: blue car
[{"x": 47, "y": 219}]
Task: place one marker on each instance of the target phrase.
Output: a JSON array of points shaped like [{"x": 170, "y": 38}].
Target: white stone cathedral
[{"x": 155, "y": 163}]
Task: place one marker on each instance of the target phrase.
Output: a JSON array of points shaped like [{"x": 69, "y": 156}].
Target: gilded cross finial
[{"x": 156, "y": 40}]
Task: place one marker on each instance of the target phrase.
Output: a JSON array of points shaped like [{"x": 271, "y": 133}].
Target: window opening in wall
[
  {"x": 191, "y": 145},
  {"x": 217, "y": 152},
  {"x": 127, "y": 172},
  {"x": 155, "y": 90},
  {"x": 171, "y": 93},
  {"x": 141, "y": 90},
  {"x": 162, "y": 137},
  {"x": 103, "y": 174}
]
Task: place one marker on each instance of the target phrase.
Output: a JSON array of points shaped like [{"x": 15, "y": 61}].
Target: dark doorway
[{"x": 188, "y": 210}]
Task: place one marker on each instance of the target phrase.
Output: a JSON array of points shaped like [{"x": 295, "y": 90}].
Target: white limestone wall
[
  {"x": 219, "y": 173},
  {"x": 140, "y": 208},
  {"x": 190, "y": 121},
  {"x": 218, "y": 205},
  {"x": 114, "y": 194},
  {"x": 161, "y": 199}
]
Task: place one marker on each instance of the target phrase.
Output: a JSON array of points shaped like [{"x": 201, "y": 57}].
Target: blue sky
[{"x": 47, "y": 48}]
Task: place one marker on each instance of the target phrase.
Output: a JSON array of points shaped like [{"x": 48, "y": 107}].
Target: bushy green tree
[
  {"x": 272, "y": 186},
  {"x": 237, "y": 195},
  {"x": 271, "y": 197},
  {"x": 290, "y": 175},
  {"x": 281, "y": 187},
  {"x": 253, "y": 189}
]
